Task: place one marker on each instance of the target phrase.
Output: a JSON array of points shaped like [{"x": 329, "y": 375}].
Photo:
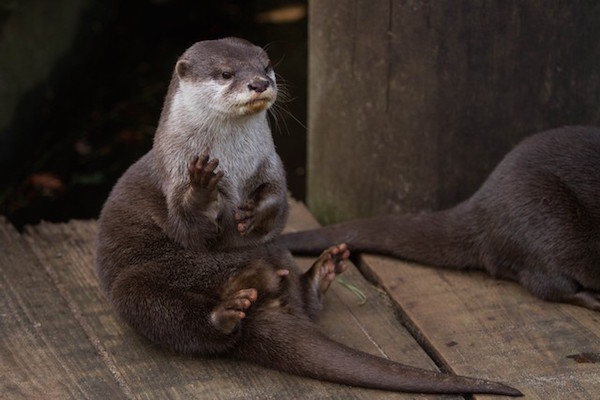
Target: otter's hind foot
[
  {"x": 226, "y": 316},
  {"x": 330, "y": 263},
  {"x": 585, "y": 298}
]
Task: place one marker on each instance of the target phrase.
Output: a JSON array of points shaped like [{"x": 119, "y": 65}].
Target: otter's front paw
[
  {"x": 203, "y": 175},
  {"x": 231, "y": 311},
  {"x": 245, "y": 217}
]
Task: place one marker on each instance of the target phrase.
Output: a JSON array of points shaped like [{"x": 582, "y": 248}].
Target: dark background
[
  {"x": 76, "y": 128},
  {"x": 412, "y": 103}
]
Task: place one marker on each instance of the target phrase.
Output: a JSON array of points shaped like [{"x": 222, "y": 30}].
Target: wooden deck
[{"x": 59, "y": 338}]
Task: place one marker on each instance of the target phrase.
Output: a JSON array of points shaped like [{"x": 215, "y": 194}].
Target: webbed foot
[{"x": 231, "y": 311}]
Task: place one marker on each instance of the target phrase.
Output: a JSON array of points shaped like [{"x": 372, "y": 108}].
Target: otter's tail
[
  {"x": 443, "y": 238},
  {"x": 285, "y": 342}
]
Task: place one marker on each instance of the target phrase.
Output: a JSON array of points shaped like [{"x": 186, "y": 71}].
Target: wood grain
[
  {"x": 43, "y": 352},
  {"x": 59, "y": 337},
  {"x": 376, "y": 328},
  {"x": 495, "y": 329},
  {"x": 412, "y": 103},
  {"x": 136, "y": 368}
]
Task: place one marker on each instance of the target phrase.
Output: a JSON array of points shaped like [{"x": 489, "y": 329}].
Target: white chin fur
[{"x": 201, "y": 98}]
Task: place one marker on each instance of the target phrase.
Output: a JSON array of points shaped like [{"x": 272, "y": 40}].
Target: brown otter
[
  {"x": 535, "y": 220},
  {"x": 186, "y": 248}
]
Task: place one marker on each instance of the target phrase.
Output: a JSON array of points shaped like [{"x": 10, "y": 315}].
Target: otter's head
[{"x": 230, "y": 77}]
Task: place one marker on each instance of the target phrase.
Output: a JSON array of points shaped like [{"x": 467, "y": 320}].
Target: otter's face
[{"x": 231, "y": 77}]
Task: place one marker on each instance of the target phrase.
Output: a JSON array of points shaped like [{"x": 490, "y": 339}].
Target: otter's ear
[{"x": 182, "y": 68}]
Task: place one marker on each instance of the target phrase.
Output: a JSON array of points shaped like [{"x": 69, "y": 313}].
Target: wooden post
[{"x": 412, "y": 103}]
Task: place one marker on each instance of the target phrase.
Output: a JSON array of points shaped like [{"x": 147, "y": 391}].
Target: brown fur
[
  {"x": 535, "y": 220},
  {"x": 186, "y": 253}
]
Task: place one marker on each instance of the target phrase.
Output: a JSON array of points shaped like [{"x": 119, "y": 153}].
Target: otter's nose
[{"x": 258, "y": 85}]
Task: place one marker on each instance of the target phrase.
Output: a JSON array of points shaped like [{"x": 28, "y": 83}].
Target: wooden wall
[{"x": 412, "y": 103}]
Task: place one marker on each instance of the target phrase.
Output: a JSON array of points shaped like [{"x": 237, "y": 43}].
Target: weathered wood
[
  {"x": 378, "y": 330},
  {"x": 412, "y": 103},
  {"x": 43, "y": 352},
  {"x": 479, "y": 325},
  {"x": 59, "y": 337},
  {"x": 146, "y": 371}
]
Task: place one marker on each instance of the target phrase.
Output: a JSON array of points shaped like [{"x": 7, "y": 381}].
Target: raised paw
[
  {"x": 330, "y": 263},
  {"x": 202, "y": 172},
  {"x": 245, "y": 217},
  {"x": 226, "y": 316}
]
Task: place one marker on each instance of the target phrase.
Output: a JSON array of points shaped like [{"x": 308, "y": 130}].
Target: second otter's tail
[{"x": 443, "y": 238}]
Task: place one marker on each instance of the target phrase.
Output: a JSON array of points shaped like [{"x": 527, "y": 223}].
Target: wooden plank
[
  {"x": 375, "y": 318},
  {"x": 496, "y": 329},
  {"x": 44, "y": 353},
  {"x": 146, "y": 371},
  {"x": 412, "y": 103}
]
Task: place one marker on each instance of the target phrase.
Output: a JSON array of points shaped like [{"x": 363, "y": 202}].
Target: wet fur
[
  {"x": 535, "y": 220},
  {"x": 186, "y": 250}
]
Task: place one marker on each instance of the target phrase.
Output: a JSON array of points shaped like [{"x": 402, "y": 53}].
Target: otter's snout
[{"x": 258, "y": 85}]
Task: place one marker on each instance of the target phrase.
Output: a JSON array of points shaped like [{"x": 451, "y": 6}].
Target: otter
[
  {"x": 535, "y": 220},
  {"x": 186, "y": 248}
]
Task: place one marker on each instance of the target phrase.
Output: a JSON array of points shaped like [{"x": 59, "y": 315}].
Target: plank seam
[{"x": 406, "y": 321}]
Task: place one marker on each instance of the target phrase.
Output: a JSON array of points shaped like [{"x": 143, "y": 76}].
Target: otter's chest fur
[{"x": 243, "y": 154}]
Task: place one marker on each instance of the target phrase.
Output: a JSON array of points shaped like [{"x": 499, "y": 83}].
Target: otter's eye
[
  {"x": 227, "y": 75},
  {"x": 268, "y": 68}
]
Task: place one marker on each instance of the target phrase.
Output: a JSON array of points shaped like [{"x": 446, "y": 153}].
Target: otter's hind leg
[
  {"x": 559, "y": 288},
  {"x": 227, "y": 315},
  {"x": 182, "y": 316},
  {"x": 319, "y": 277},
  {"x": 585, "y": 298}
]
